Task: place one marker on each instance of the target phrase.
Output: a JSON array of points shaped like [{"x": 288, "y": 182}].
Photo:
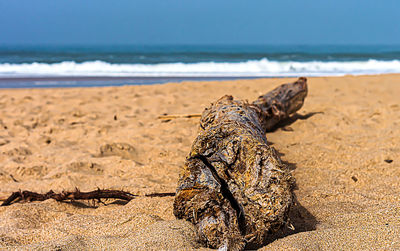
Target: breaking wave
[{"x": 251, "y": 68}]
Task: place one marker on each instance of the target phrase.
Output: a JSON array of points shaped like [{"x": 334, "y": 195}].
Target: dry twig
[
  {"x": 76, "y": 195},
  {"x": 195, "y": 115}
]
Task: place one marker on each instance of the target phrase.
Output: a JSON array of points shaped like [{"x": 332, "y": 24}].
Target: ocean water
[{"x": 44, "y": 66}]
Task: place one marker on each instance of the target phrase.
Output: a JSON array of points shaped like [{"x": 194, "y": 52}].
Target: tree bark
[{"x": 234, "y": 187}]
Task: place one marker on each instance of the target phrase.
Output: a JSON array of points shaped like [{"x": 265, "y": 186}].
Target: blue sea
[{"x": 63, "y": 66}]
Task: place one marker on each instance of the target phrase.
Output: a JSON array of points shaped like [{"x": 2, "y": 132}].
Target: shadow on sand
[{"x": 283, "y": 125}]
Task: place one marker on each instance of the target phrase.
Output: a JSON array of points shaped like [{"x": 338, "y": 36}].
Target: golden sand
[{"x": 348, "y": 195}]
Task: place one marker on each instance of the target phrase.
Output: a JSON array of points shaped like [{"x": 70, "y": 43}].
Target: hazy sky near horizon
[{"x": 199, "y": 22}]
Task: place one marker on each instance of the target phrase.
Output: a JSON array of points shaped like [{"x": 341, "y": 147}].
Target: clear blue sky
[{"x": 199, "y": 22}]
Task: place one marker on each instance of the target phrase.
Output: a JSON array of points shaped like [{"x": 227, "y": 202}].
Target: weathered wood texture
[{"x": 234, "y": 187}]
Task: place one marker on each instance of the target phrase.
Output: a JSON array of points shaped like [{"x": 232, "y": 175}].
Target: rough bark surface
[{"x": 234, "y": 188}]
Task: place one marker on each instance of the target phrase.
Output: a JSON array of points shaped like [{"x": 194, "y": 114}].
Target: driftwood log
[{"x": 234, "y": 188}]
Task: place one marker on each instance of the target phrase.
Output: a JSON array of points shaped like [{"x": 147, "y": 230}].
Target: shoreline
[
  {"x": 101, "y": 81},
  {"x": 110, "y": 81}
]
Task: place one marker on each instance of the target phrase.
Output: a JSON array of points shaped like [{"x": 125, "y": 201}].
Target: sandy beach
[{"x": 342, "y": 146}]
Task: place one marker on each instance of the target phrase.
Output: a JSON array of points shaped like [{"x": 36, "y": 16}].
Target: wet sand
[{"x": 343, "y": 147}]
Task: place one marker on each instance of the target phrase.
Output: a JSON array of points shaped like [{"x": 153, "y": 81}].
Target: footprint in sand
[
  {"x": 85, "y": 167},
  {"x": 122, "y": 150},
  {"x": 81, "y": 167},
  {"x": 24, "y": 172},
  {"x": 22, "y": 151}
]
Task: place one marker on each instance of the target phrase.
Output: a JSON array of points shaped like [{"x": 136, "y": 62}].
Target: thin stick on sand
[
  {"x": 76, "y": 195},
  {"x": 176, "y": 116}
]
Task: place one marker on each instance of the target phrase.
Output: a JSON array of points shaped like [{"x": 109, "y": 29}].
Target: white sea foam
[{"x": 251, "y": 68}]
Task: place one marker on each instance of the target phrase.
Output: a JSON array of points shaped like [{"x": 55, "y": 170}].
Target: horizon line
[{"x": 196, "y": 44}]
